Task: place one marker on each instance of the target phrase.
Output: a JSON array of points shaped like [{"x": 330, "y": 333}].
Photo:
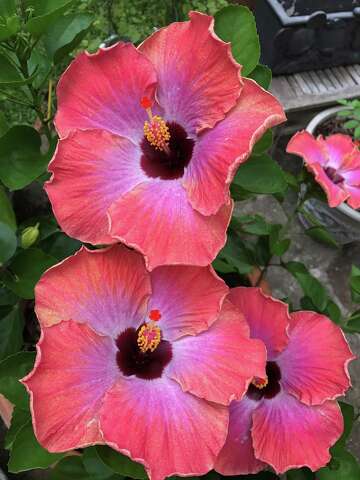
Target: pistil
[{"x": 156, "y": 130}]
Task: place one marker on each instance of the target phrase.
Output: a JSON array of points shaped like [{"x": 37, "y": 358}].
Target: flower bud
[{"x": 29, "y": 236}]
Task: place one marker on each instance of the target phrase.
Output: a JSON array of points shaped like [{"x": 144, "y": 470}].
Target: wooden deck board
[{"x": 316, "y": 88}]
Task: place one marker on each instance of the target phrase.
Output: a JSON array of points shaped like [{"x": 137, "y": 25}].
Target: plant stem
[{"x": 10, "y": 98}]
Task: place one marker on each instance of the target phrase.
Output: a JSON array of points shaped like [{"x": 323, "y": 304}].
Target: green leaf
[
  {"x": 26, "y": 269},
  {"x": 27, "y": 453},
  {"x": 7, "y": 214},
  {"x": 236, "y": 24},
  {"x": 351, "y": 124},
  {"x": 45, "y": 14},
  {"x": 120, "y": 463},
  {"x": 357, "y": 132},
  {"x": 4, "y": 125},
  {"x": 9, "y": 74},
  {"x": 222, "y": 266},
  {"x": 7, "y": 297},
  {"x": 301, "y": 474},
  {"x": 235, "y": 254},
  {"x": 262, "y": 75},
  {"x": 7, "y": 8},
  {"x": 8, "y": 243},
  {"x": 253, "y": 224},
  {"x": 18, "y": 420},
  {"x": 66, "y": 33},
  {"x": 12, "y": 369},
  {"x": 70, "y": 468},
  {"x": 261, "y": 174},
  {"x": 343, "y": 466},
  {"x": 94, "y": 466},
  {"x": 264, "y": 143},
  {"x": 349, "y": 417},
  {"x": 320, "y": 234},
  {"x": 11, "y": 328},
  {"x": 344, "y": 113},
  {"x": 309, "y": 284},
  {"x": 21, "y": 162},
  {"x": 8, "y": 27},
  {"x": 60, "y": 245},
  {"x": 353, "y": 323},
  {"x": 334, "y": 312},
  {"x": 40, "y": 65},
  {"x": 355, "y": 284}
]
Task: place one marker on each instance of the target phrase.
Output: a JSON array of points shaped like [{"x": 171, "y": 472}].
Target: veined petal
[
  {"x": 218, "y": 152},
  {"x": 335, "y": 194},
  {"x": 219, "y": 364},
  {"x": 288, "y": 434},
  {"x": 188, "y": 298},
  {"x": 199, "y": 80},
  {"x": 306, "y": 146},
  {"x": 91, "y": 170},
  {"x": 314, "y": 365},
  {"x": 267, "y": 317},
  {"x": 172, "y": 432},
  {"x": 104, "y": 90},
  {"x": 173, "y": 232},
  {"x": 107, "y": 289},
  {"x": 74, "y": 368},
  {"x": 237, "y": 455}
]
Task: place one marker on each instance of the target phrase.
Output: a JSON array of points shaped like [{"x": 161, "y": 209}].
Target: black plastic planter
[{"x": 299, "y": 35}]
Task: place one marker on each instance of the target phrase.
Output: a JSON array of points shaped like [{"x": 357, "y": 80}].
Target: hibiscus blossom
[
  {"x": 144, "y": 362},
  {"x": 151, "y": 138},
  {"x": 289, "y": 418},
  {"x": 335, "y": 162}
]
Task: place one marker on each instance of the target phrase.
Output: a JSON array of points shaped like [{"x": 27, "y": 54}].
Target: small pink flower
[
  {"x": 335, "y": 162},
  {"x": 144, "y": 362},
  {"x": 151, "y": 140},
  {"x": 289, "y": 418}
]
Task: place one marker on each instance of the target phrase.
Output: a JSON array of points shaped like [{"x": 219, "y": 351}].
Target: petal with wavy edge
[{"x": 107, "y": 289}]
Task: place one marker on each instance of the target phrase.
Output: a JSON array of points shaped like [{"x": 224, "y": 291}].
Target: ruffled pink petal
[
  {"x": 288, "y": 434},
  {"x": 107, "y": 289},
  {"x": 219, "y": 151},
  {"x": 188, "y": 298},
  {"x": 172, "y": 432},
  {"x": 306, "y": 146},
  {"x": 352, "y": 177},
  {"x": 237, "y": 456},
  {"x": 74, "y": 368},
  {"x": 91, "y": 169},
  {"x": 197, "y": 85},
  {"x": 339, "y": 148},
  {"x": 104, "y": 90},
  {"x": 335, "y": 194},
  {"x": 267, "y": 317},
  {"x": 314, "y": 365},
  {"x": 157, "y": 219},
  {"x": 219, "y": 364},
  {"x": 354, "y": 199}
]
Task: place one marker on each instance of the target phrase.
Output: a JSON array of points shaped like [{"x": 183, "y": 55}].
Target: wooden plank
[
  {"x": 325, "y": 80},
  {"x": 354, "y": 73},
  {"x": 317, "y": 80},
  {"x": 348, "y": 80},
  {"x": 333, "y": 79},
  {"x": 302, "y": 83}
]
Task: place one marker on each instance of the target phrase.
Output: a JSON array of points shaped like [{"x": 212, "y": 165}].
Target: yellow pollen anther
[
  {"x": 155, "y": 130},
  {"x": 260, "y": 383},
  {"x": 149, "y": 337}
]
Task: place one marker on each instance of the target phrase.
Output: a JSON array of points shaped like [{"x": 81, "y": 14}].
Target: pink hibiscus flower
[
  {"x": 289, "y": 418},
  {"x": 144, "y": 362},
  {"x": 151, "y": 140},
  {"x": 335, "y": 162}
]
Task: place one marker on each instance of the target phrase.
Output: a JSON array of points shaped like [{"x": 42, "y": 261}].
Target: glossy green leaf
[
  {"x": 353, "y": 323},
  {"x": 21, "y": 161},
  {"x": 9, "y": 74},
  {"x": 95, "y": 467},
  {"x": 7, "y": 8},
  {"x": 334, "y": 312},
  {"x": 236, "y": 24},
  {"x": 8, "y": 27},
  {"x": 278, "y": 245},
  {"x": 18, "y": 419},
  {"x": 348, "y": 414},
  {"x": 70, "y": 468},
  {"x": 7, "y": 214},
  {"x": 253, "y": 224},
  {"x": 8, "y": 243},
  {"x": 45, "y": 14},
  {"x": 4, "y": 125},
  {"x": 60, "y": 245},
  {"x": 40, "y": 64},
  {"x": 26, "y": 269},
  {"x": 120, "y": 463},
  {"x": 7, "y": 297},
  {"x": 27, "y": 453},
  {"x": 320, "y": 234},
  {"x": 65, "y": 34},
  {"x": 309, "y": 284},
  {"x": 11, "y": 332},
  {"x": 261, "y": 174},
  {"x": 12, "y": 369},
  {"x": 343, "y": 466},
  {"x": 355, "y": 284},
  {"x": 262, "y": 75},
  {"x": 236, "y": 255},
  {"x": 264, "y": 143}
]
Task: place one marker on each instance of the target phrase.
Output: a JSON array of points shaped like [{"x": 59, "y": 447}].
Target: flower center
[
  {"x": 334, "y": 176},
  {"x": 166, "y": 148},
  {"x": 143, "y": 352},
  {"x": 268, "y": 387}
]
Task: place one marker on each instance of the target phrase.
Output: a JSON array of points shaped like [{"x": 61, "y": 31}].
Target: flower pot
[{"x": 343, "y": 221}]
